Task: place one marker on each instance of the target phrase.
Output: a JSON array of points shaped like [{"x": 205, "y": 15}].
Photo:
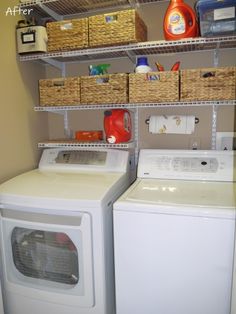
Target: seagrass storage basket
[
  {"x": 154, "y": 87},
  {"x": 104, "y": 89},
  {"x": 208, "y": 84},
  {"x": 115, "y": 28},
  {"x": 59, "y": 91},
  {"x": 67, "y": 34}
]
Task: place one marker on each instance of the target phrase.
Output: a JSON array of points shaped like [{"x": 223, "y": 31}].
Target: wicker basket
[
  {"x": 59, "y": 91},
  {"x": 104, "y": 89},
  {"x": 154, "y": 87},
  {"x": 208, "y": 84},
  {"x": 116, "y": 28},
  {"x": 67, "y": 34}
]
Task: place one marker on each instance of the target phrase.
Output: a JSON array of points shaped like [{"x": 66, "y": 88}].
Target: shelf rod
[
  {"x": 213, "y": 126},
  {"x": 216, "y": 55}
]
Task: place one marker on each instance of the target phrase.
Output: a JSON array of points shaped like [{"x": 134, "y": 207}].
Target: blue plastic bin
[{"x": 216, "y": 18}]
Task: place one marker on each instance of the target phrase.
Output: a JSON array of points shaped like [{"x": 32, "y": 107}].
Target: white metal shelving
[
  {"x": 59, "y": 9},
  {"x": 74, "y": 143},
  {"x": 137, "y": 49},
  {"x": 58, "y": 109}
]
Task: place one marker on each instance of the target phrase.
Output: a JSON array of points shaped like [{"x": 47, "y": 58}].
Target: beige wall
[
  {"x": 20, "y": 127},
  {"x": 153, "y": 17}
]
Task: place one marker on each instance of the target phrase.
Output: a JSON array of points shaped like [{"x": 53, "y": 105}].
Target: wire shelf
[
  {"x": 143, "y": 105},
  {"x": 77, "y": 7},
  {"x": 138, "y": 49},
  {"x": 74, "y": 143}
]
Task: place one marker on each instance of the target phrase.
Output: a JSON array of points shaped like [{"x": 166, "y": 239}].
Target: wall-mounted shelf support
[
  {"x": 57, "y": 64},
  {"x": 216, "y": 55},
  {"x": 50, "y": 12},
  {"x": 134, "y": 4},
  {"x": 136, "y": 134},
  {"x": 131, "y": 56},
  {"x": 67, "y": 130},
  {"x": 213, "y": 126}
]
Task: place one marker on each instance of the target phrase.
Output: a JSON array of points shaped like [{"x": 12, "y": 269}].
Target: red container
[
  {"x": 88, "y": 136},
  {"x": 117, "y": 125},
  {"x": 179, "y": 21}
]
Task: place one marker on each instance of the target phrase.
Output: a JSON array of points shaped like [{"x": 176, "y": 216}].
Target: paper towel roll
[{"x": 171, "y": 124}]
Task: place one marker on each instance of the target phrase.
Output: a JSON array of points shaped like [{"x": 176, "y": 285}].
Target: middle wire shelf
[
  {"x": 144, "y": 48},
  {"x": 135, "y": 106}
]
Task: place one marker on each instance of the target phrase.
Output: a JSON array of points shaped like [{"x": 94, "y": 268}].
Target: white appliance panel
[
  {"x": 186, "y": 165},
  {"x": 77, "y": 160},
  {"x": 172, "y": 264}
]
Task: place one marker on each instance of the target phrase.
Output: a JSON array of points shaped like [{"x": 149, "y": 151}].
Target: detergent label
[
  {"x": 224, "y": 13},
  {"x": 176, "y": 23}
]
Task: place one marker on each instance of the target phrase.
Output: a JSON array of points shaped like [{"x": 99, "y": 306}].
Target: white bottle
[{"x": 142, "y": 65}]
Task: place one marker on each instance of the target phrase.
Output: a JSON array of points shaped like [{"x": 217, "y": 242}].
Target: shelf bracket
[
  {"x": 57, "y": 64},
  {"x": 131, "y": 55},
  {"x": 136, "y": 134},
  {"x": 134, "y": 4},
  {"x": 52, "y": 13},
  {"x": 216, "y": 55},
  {"x": 67, "y": 130},
  {"x": 213, "y": 127}
]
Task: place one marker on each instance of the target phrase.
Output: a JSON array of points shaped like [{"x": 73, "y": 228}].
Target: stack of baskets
[
  {"x": 115, "y": 28},
  {"x": 154, "y": 87}
]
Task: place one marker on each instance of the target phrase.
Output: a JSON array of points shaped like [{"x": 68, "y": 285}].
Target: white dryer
[
  {"x": 56, "y": 232},
  {"x": 174, "y": 231}
]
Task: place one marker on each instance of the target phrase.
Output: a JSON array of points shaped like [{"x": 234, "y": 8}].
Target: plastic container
[
  {"x": 179, "y": 21},
  {"x": 88, "y": 136},
  {"x": 142, "y": 65},
  {"x": 117, "y": 125},
  {"x": 216, "y": 17}
]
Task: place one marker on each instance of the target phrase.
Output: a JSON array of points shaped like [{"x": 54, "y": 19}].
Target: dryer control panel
[
  {"x": 186, "y": 165},
  {"x": 75, "y": 159}
]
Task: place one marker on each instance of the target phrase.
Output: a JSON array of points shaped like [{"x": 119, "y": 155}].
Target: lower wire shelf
[{"x": 74, "y": 143}]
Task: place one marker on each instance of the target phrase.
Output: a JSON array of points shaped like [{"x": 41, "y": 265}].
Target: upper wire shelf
[
  {"x": 137, "y": 49},
  {"x": 42, "y": 8}
]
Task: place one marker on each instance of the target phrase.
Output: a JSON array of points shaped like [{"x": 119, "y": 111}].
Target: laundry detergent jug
[
  {"x": 117, "y": 125},
  {"x": 179, "y": 21}
]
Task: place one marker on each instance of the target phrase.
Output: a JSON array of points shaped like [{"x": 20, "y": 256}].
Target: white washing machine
[
  {"x": 56, "y": 232},
  {"x": 174, "y": 232}
]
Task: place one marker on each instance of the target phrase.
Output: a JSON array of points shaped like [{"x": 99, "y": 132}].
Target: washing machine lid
[
  {"x": 50, "y": 188},
  {"x": 201, "y": 198}
]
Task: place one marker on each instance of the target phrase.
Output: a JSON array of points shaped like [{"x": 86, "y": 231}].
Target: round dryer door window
[{"x": 45, "y": 255}]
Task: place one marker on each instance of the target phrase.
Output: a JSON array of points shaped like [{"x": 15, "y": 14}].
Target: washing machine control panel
[
  {"x": 186, "y": 165},
  {"x": 194, "y": 164}
]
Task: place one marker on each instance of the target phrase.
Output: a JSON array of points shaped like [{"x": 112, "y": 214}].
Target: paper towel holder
[{"x": 196, "y": 120}]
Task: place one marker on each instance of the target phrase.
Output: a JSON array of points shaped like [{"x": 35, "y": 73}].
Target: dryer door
[{"x": 48, "y": 257}]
